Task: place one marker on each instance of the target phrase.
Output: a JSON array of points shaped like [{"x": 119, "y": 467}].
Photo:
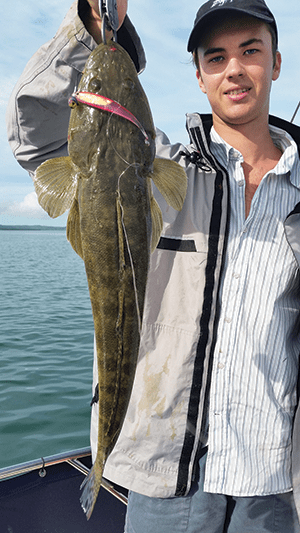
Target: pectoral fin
[
  {"x": 73, "y": 229},
  {"x": 171, "y": 181},
  {"x": 55, "y": 183}
]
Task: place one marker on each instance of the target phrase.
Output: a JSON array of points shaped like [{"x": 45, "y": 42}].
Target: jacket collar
[
  {"x": 290, "y": 128},
  {"x": 203, "y": 124}
]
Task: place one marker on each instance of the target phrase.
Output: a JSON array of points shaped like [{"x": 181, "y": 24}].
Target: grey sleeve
[{"x": 38, "y": 114}]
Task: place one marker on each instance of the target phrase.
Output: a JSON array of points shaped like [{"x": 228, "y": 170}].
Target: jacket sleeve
[{"x": 38, "y": 113}]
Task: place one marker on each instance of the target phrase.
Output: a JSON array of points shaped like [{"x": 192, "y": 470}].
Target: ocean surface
[{"x": 46, "y": 346}]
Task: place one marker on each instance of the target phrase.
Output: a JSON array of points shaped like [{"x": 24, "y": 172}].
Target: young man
[{"x": 207, "y": 442}]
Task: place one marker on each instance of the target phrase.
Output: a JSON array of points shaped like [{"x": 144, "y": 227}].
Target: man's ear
[
  {"x": 277, "y": 67},
  {"x": 200, "y": 81}
]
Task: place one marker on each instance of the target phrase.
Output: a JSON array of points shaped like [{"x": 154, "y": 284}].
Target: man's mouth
[{"x": 237, "y": 94}]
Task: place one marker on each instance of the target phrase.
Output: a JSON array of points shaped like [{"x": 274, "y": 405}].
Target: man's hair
[{"x": 274, "y": 47}]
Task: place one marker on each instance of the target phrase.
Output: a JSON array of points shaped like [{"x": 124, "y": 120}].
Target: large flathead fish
[{"x": 113, "y": 223}]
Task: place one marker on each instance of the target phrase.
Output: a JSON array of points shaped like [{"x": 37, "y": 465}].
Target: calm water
[{"x": 46, "y": 347}]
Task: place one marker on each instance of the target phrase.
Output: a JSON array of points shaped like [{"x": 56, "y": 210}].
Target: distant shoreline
[{"x": 32, "y": 228}]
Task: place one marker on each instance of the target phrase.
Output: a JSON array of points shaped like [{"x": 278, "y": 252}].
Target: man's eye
[
  {"x": 251, "y": 51},
  {"x": 216, "y": 59}
]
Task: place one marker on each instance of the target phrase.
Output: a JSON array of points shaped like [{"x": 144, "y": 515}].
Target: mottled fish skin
[
  {"x": 115, "y": 227},
  {"x": 113, "y": 223}
]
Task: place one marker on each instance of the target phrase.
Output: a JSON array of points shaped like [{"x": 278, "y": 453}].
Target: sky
[{"x": 169, "y": 79}]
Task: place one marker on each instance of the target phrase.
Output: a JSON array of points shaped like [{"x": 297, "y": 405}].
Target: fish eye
[
  {"x": 128, "y": 84},
  {"x": 95, "y": 85}
]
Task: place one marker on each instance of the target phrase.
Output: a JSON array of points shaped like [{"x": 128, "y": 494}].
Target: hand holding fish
[{"x": 93, "y": 22}]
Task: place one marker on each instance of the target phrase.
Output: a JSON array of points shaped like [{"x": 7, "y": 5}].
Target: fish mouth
[{"x": 238, "y": 93}]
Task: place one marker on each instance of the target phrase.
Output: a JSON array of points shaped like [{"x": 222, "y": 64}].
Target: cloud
[{"x": 29, "y": 207}]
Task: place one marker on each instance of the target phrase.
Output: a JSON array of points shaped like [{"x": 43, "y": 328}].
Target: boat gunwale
[
  {"x": 29, "y": 466},
  {"x": 70, "y": 457}
]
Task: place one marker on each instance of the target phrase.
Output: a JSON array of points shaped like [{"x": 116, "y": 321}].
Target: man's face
[{"x": 237, "y": 69}]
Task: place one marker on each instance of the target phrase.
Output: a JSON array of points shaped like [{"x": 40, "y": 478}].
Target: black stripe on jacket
[{"x": 199, "y": 388}]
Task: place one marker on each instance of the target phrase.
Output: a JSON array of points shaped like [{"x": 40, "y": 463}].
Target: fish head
[{"x": 110, "y": 72}]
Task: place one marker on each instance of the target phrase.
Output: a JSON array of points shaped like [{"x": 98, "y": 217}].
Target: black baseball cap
[{"x": 255, "y": 8}]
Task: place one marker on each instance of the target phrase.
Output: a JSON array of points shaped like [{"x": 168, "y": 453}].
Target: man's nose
[{"x": 234, "y": 68}]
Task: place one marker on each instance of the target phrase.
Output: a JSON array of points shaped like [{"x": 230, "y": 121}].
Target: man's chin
[{"x": 234, "y": 120}]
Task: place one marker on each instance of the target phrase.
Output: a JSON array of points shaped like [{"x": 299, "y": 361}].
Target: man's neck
[
  {"x": 253, "y": 140},
  {"x": 255, "y": 144}
]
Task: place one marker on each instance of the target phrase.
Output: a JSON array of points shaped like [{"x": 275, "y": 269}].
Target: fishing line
[
  {"x": 113, "y": 146},
  {"x": 130, "y": 259},
  {"x": 129, "y": 165}
]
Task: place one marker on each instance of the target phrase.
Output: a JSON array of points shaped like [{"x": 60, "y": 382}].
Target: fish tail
[{"x": 91, "y": 486}]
